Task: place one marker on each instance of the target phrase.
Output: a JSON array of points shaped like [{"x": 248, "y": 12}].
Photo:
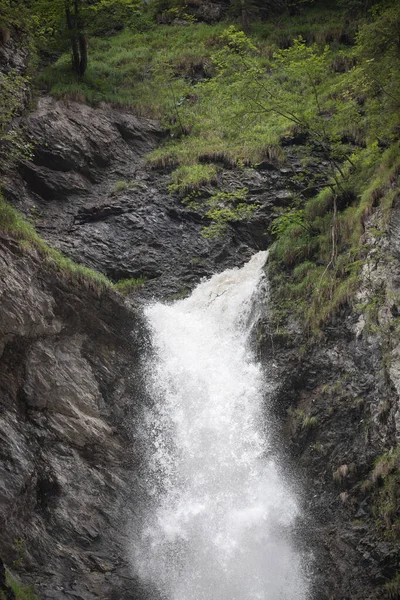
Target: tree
[
  {"x": 291, "y": 88},
  {"x": 56, "y": 23},
  {"x": 73, "y": 14}
]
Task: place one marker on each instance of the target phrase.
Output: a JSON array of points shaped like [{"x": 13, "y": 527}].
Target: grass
[
  {"x": 187, "y": 179},
  {"x": 315, "y": 283},
  {"x": 125, "y": 286},
  {"x": 147, "y": 72},
  {"x": 327, "y": 26},
  {"x": 120, "y": 186},
  {"x": 309, "y": 422},
  {"x": 383, "y": 484},
  {"x": 13, "y": 223},
  {"x": 301, "y": 421},
  {"x": 392, "y": 588}
]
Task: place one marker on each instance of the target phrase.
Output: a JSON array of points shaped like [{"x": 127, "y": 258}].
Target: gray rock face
[
  {"x": 13, "y": 57},
  {"x": 90, "y": 194},
  {"x": 70, "y": 394},
  {"x": 336, "y": 404}
]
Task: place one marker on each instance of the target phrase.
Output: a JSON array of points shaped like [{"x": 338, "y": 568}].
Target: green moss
[{"x": 21, "y": 592}]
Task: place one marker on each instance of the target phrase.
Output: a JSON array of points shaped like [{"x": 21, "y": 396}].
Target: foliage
[
  {"x": 147, "y": 71},
  {"x": 384, "y": 485},
  {"x": 319, "y": 241},
  {"x": 392, "y": 588},
  {"x": 221, "y": 208},
  {"x": 300, "y": 421},
  {"x": 106, "y": 15},
  {"x": 14, "y": 16},
  {"x": 318, "y": 277},
  {"x": 208, "y": 119}
]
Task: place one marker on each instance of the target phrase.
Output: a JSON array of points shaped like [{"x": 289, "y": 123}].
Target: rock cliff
[
  {"x": 337, "y": 408},
  {"x": 89, "y": 193},
  {"x": 70, "y": 392}
]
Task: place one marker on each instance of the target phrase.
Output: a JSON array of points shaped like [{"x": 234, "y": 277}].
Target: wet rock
[
  {"x": 336, "y": 411},
  {"x": 70, "y": 396},
  {"x": 90, "y": 193}
]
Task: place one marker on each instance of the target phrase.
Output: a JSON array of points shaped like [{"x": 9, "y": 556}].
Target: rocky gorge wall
[
  {"x": 337, "y": 406},
  {"x": 69, "y": 390}
]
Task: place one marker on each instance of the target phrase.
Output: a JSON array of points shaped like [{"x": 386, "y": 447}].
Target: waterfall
[{"x": 217, "y": 525}]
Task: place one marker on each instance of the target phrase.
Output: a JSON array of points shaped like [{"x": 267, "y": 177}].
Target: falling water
[{"x": 217, "y": 526}]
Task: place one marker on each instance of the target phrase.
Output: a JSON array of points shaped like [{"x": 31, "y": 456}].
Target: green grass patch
[
  {"x": 392, "y": 588},
  {"x": 189, "y": 178},
  {"x": 149, "y": 72},
  {"x": 125, "y": 286},
  {"x": 384, "y": 485},
  {"x": 12, "y": 222}
]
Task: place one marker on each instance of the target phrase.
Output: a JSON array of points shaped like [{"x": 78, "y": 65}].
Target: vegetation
[
  {"x": 384, "y": 483},
  {"x": 125, "y": 286},
  {"x": 300, "y": 421},
  {"x": 235, "y": 99},
  {"x": 13, "y": 223},
  {"x": 147, "y": 71},
  {"x": 190, "y": 178},
  {"x": 13, "y": 146},
  {"x": 392, "y": 588},
  {"x": 324, "y": 80},
  {"x": 21, "y": 592}
]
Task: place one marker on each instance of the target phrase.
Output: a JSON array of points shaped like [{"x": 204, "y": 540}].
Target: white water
[{"x": 218, "y": 525}]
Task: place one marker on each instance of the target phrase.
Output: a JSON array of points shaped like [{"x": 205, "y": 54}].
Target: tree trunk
[
  {"x": 78, "y": 38},
  {"x": 83, "y": 53},
  {"x": 244, "y": 15}
]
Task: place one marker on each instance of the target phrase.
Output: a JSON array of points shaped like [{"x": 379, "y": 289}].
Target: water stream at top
[{"x": 218, "y": 525}]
